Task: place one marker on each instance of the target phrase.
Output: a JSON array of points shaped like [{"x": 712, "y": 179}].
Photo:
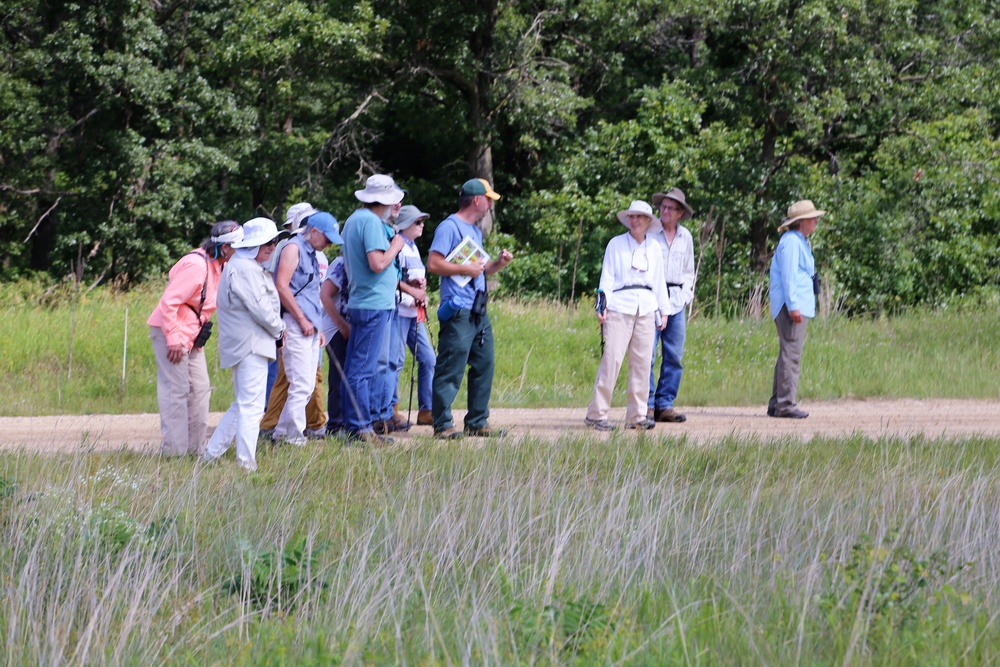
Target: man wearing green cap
[{"x": 466, "y": 337}]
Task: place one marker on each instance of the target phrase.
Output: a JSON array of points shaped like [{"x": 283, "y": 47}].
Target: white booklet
[{"x": 466, "y": 251}]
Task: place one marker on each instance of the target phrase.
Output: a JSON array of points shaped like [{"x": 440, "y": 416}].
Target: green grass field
[
  {"x": 547, "y": 355},
  {"x": 635, "y": 550}
]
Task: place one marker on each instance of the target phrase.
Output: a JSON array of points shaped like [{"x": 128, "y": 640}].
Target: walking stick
[{"x": 421, "y": 317}]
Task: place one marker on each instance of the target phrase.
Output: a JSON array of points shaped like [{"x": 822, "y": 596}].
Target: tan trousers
[
  {"x": 315, "y": 412},
  {"x": 624, "y": 333},
  {"x": 182, "y": 393}
]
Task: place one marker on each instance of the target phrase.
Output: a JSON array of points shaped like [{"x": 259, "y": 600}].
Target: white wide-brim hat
[
  {"x": 380, "y": 189},
  {"x": 296, "y": 214},
  {"x": 258, "y": 231},
  {"x": 639, "y": 207},
  {"x": 800, "y": 210}
]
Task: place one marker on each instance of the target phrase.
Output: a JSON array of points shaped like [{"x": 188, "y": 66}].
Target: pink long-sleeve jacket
[{"x": 180, "y": 324}]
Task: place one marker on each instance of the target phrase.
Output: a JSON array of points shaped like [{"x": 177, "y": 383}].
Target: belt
[
  {"x": 627, "y": 287},
  {"x": 675, "y": 285}
]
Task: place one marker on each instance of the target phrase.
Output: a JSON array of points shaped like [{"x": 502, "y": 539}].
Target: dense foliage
[{"x": 131, "y": 125}]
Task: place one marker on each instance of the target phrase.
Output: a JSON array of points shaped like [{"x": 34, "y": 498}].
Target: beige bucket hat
[{"x": 800, "y": 210}]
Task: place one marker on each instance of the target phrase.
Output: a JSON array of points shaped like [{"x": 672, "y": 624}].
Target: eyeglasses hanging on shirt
[{"x": 640, "y": 262}]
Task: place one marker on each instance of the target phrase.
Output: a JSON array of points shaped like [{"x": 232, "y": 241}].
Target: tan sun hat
[
  {"x": 678, "y": 196},
  {"x": 799, "y": 211}
]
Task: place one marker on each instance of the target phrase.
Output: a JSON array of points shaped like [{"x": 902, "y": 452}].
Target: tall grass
[
  {"x": 628, "y": 551},
  {"x": 546, "y": 355}
]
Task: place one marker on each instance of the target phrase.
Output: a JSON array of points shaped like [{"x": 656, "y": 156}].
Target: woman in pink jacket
[{"x": 179, "y": 327}]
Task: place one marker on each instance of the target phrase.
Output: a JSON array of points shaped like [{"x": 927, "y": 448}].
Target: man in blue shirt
[
  {"x": 370, "y": 249},
  {"x": 466, "y": 338},
  {"x": 793, "y": 303}
]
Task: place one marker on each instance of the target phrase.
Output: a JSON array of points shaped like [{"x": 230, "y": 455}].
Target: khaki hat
[
  {"x": 678, "y": 196},
  {"x": 799, "y": 211}
]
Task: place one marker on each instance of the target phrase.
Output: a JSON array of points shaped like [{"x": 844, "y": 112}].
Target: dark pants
[
  {"x": 791, "y": 338},
  {"x": 463, "y": 341},
  {"x": 336, "y": 351}
]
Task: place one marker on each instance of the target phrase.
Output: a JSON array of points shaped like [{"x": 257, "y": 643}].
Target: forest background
[{"x": 128, "y": 126}]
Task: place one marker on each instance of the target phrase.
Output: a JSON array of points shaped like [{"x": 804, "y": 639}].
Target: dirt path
[{"x": 931, "y": 418}]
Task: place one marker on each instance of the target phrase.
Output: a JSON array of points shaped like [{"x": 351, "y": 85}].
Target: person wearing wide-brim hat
[
  {"x": 411, "y": 332},
  {"x": 678, "y": 271},
  {"x": 793, "y": 303},
  {"x": 370, "y": 249},
  {"x": 636, "y": 300},
  {"x": 249, "y": 325}
]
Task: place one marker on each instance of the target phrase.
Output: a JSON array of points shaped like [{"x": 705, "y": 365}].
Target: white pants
[
  {"x": 242, "y": 420},
  {"x": 300, "y": 357},
  {"x": 182, "y": 393},
  {"x": 632, "y": 334}
]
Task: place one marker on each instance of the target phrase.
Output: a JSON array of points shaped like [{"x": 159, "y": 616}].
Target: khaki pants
[
  {"x": 624, "y": 333},
  {"x": 315, "y": 414},
  {"x": 182, "y": 393},
  {"x": 791, "y": 339}
]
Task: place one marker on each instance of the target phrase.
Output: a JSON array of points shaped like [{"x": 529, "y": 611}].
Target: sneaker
[
  {"x": 669, "y": 415},
  {"x": 485, "y": 431},
  {"x": 794, "y": 413},
  {"x": 315, "y": 434},
  {"x": 643, "y": 425},
  {"x": 450, "y": 433},
  {"x": 424, "y": 418},
  {"x": 599, "y": 424}
]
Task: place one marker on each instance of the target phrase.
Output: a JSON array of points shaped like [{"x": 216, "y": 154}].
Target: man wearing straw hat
[
  {"x": 678, "y": 271},
  {"x": 793, "y": 303}
]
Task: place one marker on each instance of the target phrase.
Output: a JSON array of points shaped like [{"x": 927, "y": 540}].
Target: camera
[{"x": 203, "y": 335}]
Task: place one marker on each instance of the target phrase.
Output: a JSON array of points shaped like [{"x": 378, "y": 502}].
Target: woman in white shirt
[
  {"x": 635, "y": 291},
  {"x": 249, "y": 324}
]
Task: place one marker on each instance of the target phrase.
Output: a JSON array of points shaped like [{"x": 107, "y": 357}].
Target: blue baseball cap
[{"x": 327, "y": 224}]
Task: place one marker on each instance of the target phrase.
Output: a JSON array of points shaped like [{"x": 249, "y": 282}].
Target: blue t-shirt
[
  {"x": 363, "y": 233},
  {"x": 447, "y": 237}
]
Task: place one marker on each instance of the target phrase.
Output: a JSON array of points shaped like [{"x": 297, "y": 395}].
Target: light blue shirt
[
  {"x": 363, "y": 233},
  {"x": 792, "y": 269},
  {"x": 447, "y": 236}
]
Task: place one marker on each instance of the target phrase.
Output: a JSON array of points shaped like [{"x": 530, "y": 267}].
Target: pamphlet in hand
[{"x": 467, "y": 251}]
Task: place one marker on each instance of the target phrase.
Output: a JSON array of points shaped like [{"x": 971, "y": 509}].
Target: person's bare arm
[
  {"x": 437, "y": 264},
  {"x": 379, "y": 260},
  {"x": 326, "y": 296},
  {"x": 283, "y": 281}
]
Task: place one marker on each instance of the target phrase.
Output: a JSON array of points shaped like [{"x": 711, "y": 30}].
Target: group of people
[
  {"x": 647, "y": 283},
  {"x": 280, "y": 302}
]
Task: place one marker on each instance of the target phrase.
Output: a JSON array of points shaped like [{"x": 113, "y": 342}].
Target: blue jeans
[
  {"x": 413, "y": 335},
  {"x": 671, "y": 342},
  {"x": 366, "y": 366},
  {"x": 272, "y": 375},
  {"x": 336, "y": 350},
  {"x": 389, "y": 382}
]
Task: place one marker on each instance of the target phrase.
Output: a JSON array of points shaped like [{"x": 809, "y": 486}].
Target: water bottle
[{"x": 447, "y": 310}]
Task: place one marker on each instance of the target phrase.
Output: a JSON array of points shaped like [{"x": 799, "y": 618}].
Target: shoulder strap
[{"x": 204, "y": 287}]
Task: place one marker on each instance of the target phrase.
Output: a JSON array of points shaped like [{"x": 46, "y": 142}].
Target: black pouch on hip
[
  {"x": 816, "y": 283},
  {"x": 479, "y": 303},
  {"x": 203, "y": 334}
]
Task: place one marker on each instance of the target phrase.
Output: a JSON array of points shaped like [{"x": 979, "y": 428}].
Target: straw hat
[{"x": 800, "y": 210}]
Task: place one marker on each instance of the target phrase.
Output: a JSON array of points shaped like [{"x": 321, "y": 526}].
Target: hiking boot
[
  {"x": 794, "y": 413},
  {"x": 450, "y": 433},
  {"x": 398, "y": 423},
  {"x": 599, "y": 424},
  {"x": 644, "y": 425},
  {"x": 669, "y": 415},
  {"x": 424, "y": 418},
  {"x": 315, "y": 434},
  {"x": 485, "y": 431},
  {"x": 370, "y": 438}
]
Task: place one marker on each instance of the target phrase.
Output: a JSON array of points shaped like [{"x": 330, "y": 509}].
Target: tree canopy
[{"x": 129, "y": 126}]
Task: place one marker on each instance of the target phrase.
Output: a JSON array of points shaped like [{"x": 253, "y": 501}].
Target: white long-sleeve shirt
[
  {"x": 678, "y": 267},
  {"x": 617, "y": 273}
]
